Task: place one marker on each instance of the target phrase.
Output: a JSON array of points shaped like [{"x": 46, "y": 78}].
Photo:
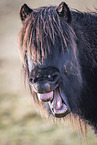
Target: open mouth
[{"x": 57, "y": 102}]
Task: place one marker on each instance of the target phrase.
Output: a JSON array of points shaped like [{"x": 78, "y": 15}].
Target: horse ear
[
  {"x": 63, "y": 11},
  {"x": 24, "y": 12}
]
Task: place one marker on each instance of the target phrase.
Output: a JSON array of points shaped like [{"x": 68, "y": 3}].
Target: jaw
[{"x": 57, "y": 102}]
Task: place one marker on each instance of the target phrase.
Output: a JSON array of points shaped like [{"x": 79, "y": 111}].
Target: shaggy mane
[{"x": 43, "y": 29}]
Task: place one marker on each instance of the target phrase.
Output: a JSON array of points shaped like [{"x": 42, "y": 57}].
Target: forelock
[{"x": 42, "y": 30}]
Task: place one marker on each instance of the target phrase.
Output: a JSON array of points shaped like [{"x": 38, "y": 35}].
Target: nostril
[
  {"x": 54, "y": 77},
  {"x": 30, "y": 80},
  {"x": 33, "y": 80},
  {"x": 36, "y": 79}
]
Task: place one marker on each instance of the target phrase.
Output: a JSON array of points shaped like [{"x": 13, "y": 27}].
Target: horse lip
[
  {"x": 64, "y": 98},
  {"x": 45, "y": 97}
]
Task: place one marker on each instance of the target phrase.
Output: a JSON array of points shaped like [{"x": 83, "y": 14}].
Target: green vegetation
[{"x": 19, "y": 122}]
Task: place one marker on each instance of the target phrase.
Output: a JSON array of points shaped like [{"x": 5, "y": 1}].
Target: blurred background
[{"x": 19, "y": 122}]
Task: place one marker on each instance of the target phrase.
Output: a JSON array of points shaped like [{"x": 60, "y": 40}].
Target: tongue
[
  {"x": 56, "y": 105},
  {"x": 45, "y": 97},
  {"x": 57, "y": 101}
]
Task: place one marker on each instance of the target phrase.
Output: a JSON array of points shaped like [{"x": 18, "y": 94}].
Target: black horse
[{"x": 59, "y": 54}]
